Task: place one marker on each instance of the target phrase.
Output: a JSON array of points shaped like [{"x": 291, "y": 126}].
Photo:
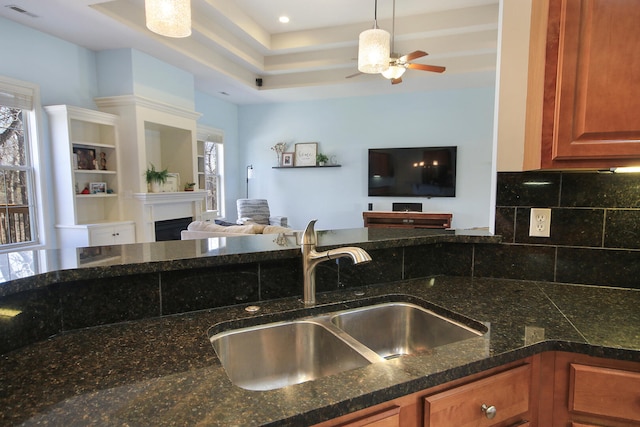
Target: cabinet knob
[{"x": 489, "y": 411}]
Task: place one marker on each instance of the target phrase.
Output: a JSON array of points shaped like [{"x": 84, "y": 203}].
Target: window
[
  {"x": 17, "y": 201},
  {"x": 212, "y": 171}
]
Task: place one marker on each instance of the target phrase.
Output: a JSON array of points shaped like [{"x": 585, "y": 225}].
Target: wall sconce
[
  {"x": 249, "y": 176},
  {"x": 169, "y": 18}
]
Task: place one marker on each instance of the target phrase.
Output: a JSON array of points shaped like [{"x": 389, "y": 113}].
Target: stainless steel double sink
[{"x": 274, "y": 355}]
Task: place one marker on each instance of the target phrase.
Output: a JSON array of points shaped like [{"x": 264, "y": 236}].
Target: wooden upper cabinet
[{"x": 591, "y": 90}]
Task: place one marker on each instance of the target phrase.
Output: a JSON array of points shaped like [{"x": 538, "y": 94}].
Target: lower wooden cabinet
[
  {"x": 552, "y": 389},
  {"x": 596, "y": 392},
  {"x": 492, "y": 401},
  {"x": 509, "y": 388},
  {"x": 384, "y": 418},
  {"x": 400, "y": 219}
]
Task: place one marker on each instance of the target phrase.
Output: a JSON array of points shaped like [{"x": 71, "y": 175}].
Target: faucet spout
[{"x": 311, "y": 258}]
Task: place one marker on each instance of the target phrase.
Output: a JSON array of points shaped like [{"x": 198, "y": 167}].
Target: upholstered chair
[{"x": 257, "y": 211}]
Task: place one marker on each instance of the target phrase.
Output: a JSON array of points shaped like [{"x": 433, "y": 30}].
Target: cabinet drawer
[
  {"x": 507, "y": 391},
  {"x": 385, "y": 418},
  {"x": 604, "y": 391}
]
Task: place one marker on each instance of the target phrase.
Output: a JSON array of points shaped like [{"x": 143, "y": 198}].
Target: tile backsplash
[{"x": 595, "y": 228}]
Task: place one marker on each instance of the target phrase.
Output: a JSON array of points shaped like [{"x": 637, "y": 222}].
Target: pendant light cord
[
  {"x": 375, "y": 15},
  {"x": 393, "y": 28}
]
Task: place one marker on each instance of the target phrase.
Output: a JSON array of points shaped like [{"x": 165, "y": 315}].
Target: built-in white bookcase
[{"x": 86, "y": 176}]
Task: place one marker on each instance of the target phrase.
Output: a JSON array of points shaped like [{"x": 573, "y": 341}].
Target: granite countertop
[
  {"x": 41, "y": 268},
  {"x": 164, "y": 371}
]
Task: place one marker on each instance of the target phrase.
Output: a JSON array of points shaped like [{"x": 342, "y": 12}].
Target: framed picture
[
  {"x": 173, "y": 183},
  {"x": 97, "y": 187},
  {"x": 86, "y": 158},
  {"x": 287, "y": 160},
  {"x": 305, "y": 154}
]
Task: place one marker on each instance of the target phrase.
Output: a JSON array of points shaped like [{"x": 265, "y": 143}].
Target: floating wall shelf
[{"x": 303, "y": 167}]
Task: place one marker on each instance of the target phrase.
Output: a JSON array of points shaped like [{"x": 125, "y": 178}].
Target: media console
[{"x": 387, "y": 219}]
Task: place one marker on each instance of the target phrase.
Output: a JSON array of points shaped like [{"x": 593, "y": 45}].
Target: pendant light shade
[
  {"x": 170, "y": 18},
  {"x": 373, "y": 51},
  {"x": 394, "y": 72}
]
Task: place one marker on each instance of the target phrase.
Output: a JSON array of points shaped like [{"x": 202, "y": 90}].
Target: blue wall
[
  {"x": 65, "y": 72},
  {"x": 128, "y": 71},
  {"x": 346, "y": 128}
]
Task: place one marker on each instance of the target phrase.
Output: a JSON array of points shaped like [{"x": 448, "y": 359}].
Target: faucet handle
[{"x": 309, "y": 235}]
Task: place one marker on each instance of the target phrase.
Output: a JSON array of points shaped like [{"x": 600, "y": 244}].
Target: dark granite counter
[
  {"x": 163, "y": 371},
  {"x": 28, "y": 270}
]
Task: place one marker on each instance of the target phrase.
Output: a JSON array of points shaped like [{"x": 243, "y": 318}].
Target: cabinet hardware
[{"x": 489, "y": 411}]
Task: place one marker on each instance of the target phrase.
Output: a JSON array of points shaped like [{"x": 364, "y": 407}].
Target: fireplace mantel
[{"x": 152, "y": 207}]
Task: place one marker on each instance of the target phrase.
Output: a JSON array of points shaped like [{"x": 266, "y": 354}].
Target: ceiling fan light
[
  {"x": 394, "y": 72},
  {"x": 373, "y": 51},
  {"x": 169, "y": 18}
]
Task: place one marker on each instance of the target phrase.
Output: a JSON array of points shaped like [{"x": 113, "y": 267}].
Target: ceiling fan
[{"x": 399, "y": 64}]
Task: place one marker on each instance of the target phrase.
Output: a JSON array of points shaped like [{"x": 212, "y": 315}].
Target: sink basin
[
  {"x": 396, "y": 329},
  {"x": 274, "y": 355},
  {"x": 271, "y": 356}
]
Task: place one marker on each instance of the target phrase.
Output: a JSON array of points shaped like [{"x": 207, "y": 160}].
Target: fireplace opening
[{"x": 170, "y": 229}]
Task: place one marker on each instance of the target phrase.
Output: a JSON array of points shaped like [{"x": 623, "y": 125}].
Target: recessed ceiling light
[{"x": 283, "y": 19}]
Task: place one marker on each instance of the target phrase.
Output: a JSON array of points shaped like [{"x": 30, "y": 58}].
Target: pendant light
[
  {"x": 373, "y": 48},
  {"x": 394, "y": 71},
  {"x": 169, "y": 18}
]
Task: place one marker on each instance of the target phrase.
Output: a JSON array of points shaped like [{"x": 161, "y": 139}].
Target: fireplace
[
  {"x": 170, "y": 229},
  {"x": 152, "y": 208}
]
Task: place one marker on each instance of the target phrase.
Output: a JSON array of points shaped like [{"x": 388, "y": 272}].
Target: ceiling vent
[{"x": 21, "y": 10}]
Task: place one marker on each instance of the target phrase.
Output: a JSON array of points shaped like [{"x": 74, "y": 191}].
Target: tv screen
[{"x": 413, "y": 172}]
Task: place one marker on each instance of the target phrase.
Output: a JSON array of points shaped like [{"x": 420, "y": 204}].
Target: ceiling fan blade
[
  {"x": 423, "y": 67},
  {"x": 353, "y": 75},
  {"x": 411, "y": 56},
  {"x": 396, "y": 81}
]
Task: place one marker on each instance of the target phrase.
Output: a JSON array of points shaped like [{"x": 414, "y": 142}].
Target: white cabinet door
[
  {"x": 123, "y": 234},
  {"x": 101, "y": 236},
  {"x": 110, "y": 234}
]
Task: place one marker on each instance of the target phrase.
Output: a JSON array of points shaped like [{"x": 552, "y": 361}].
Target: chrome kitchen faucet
[{"x": 311, "y": 258}]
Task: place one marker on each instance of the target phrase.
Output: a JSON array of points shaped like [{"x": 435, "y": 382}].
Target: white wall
[{"x": 347, "y": 128}]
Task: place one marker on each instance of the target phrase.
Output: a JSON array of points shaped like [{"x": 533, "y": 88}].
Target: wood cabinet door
[
  {"x": 385, "y": 418},
  {"x": 508, "y": 392},
  {"x": 591, "y": 391},
  {"x": 605, "y": 392},
  {"x": 592, "y": 84}
]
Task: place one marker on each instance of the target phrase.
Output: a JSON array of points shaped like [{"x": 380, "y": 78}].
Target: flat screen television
[{"x": 412, "y": 172}]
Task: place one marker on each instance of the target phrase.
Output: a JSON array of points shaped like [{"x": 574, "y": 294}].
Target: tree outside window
[
  {"x": 16, "y": 207},
  {"x": 213, "y": 175}
]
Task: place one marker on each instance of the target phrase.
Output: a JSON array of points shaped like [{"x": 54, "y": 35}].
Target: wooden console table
[{"x": 403, "y": 219}]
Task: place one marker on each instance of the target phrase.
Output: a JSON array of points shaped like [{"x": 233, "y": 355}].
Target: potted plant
[
  {"x": 321, "y": 159},
  {"x": 189, "y": 186},
  {"x": 156, "y": 178}
]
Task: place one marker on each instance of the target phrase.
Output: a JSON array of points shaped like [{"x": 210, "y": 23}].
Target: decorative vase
[{"x": 155, "y": 187}]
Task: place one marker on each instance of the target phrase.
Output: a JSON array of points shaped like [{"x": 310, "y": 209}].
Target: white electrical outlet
[{"x": 540, "y": 222}]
